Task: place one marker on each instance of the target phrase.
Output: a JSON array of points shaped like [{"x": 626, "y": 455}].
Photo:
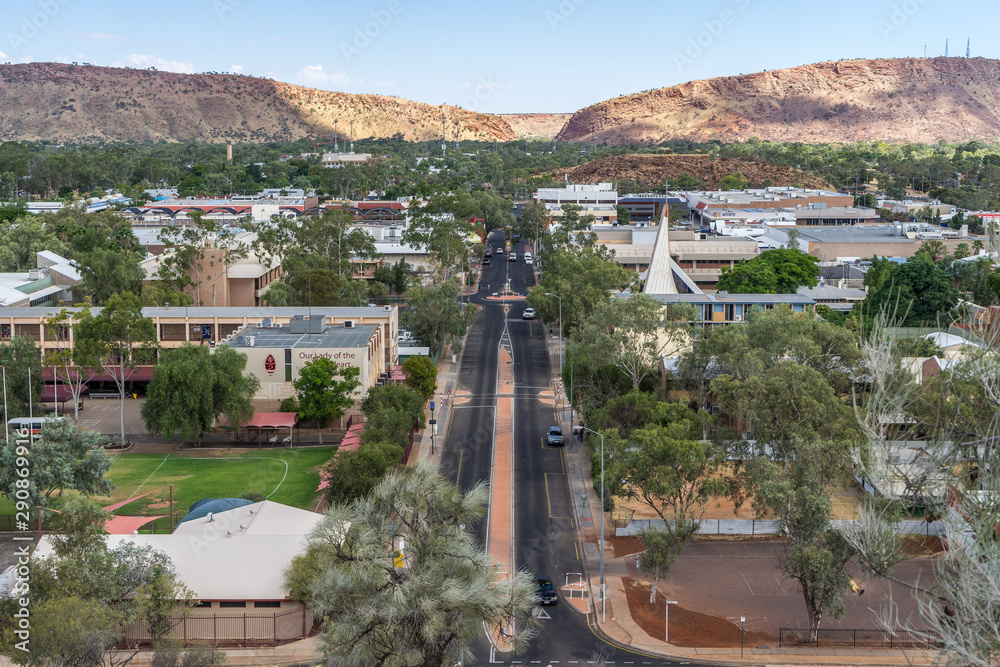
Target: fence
[
  {"x": 858, "y": 638},
  {"x": 768, "y": 527},
  {"x": 225, "y": 630}
]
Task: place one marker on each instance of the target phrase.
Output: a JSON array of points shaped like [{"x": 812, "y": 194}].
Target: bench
[{"x": 105, "y": 394}]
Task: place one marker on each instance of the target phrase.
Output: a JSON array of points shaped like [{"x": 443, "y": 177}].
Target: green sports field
[{"x": 288, "y": 476}]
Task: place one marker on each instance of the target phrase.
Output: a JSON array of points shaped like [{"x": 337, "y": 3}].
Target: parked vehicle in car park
[
  {"x": 529, "y": 314},
  {"x": 555, "y": 437}
]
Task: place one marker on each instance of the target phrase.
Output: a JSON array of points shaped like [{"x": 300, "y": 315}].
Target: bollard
[{"x": 583, "y": 499}]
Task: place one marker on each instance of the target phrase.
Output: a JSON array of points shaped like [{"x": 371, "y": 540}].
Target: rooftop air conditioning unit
[
  {"x": 348, "y": 324},
  {"x": 387, "y": 309},
  {"x": 250, "y": 341}
]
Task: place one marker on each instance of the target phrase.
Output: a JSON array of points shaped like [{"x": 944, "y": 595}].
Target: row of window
[{"x": 234, "y": 604}]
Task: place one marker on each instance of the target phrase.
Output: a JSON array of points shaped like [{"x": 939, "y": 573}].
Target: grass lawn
[{"x": 288, "y": 476}]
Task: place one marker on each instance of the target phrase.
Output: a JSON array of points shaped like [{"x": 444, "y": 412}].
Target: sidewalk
[{"x": 616, "y": 623}]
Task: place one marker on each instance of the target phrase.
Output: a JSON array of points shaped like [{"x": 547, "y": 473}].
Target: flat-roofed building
[
  {"x": 819, "y": 215},
  {"x": 276, "y": 354},
  {"x": 725, "y": 308},
  {"x": 577, "y": 193},
  {"x": 773, "y": 198}
]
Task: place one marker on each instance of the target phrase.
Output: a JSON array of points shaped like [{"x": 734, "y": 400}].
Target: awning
[
  {"x": 273, "y": 420},
  {"x": 117, "y": 506},
  {"x": 58, "y": 393}
]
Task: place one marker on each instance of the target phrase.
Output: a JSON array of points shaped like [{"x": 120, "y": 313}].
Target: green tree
[
  {"x": 394, "y": 276},
  {"x": 430, "y": 609},
  {"x": 322, "y": 396},
  {"x": 159, "y": 293},
  {"x": 734, "y": 181},
  {"x": 63, "y": 457},
  {"x": 876, "y": 275},
  {"x": 437, "y": 315},
  {"x": 442, "y": 228},
  {"x": 71, "y": 631},
  {"x": 686, "y": 181},
  {"x": 635, "y": 332},
  {"x": 662, "y": 547},
  {"x": 19, "y": 359},
  {"x": 22, "y": 239},
  {"x": 816, "y": 555},
  {"x": 353, "y": 474},
  {"x": 120, "y": 338},
  {"x": 624, "y": 217},
  {"x": 919, "y": 292},
  {"x": 583, "y": 278},
  {"x": 421, "y": 374},
  {"x": 932, "y": 249},
  {"x": 191, "y": 388},
  {"x": 790, "y": 269}
]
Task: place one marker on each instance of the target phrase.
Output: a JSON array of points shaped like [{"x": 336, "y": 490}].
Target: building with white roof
[
  {"x": 51, "y": 282},
  {"x": 233, "y": 564}
]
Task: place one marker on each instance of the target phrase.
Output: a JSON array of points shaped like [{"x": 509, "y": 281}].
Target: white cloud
[
  {"x": 3, "y": 55},
  {"x": 238, "y": 69},
  {"x": 146, "y": 60},
  {"x": 106, "y": 36},
  {"x": 315, "y": 75}
]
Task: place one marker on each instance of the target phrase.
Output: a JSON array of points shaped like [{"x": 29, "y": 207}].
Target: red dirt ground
[{"x": 687, "y": 628}]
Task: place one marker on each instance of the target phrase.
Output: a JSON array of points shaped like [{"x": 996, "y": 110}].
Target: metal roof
[{"x": 332, "y": 336}]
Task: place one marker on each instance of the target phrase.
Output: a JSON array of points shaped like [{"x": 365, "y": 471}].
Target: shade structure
[
  {"x": 273, "y": 420},
  {"x": 58, "y": 393},
  {"x": 126, "y": 525}
]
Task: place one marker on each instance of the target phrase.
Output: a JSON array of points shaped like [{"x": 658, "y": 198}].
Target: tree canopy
[{"x": 778, "y": 271}]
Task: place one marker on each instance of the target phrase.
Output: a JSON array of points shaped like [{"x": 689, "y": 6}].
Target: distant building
[
  {"x": 774, "y": 198},
  {"x": 821, "y": 215},
  {"x": 342, "y": 159},
  {"x": 51, "y": 282},
  {"x": 725, "y": 308},
  {"x": 601, "y": 193}
]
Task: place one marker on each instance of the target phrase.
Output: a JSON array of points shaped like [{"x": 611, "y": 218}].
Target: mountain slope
[
  {"x": 536, "y": 125},
  {"x": 906, "y": 99},
  {"x": 70, "y": 103}
]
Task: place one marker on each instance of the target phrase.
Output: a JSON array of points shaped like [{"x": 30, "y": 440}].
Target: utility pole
[
  {"x": 946, "y": 48},
  {"x": 352, "y": 136},
  {"x": 967, "y": 42},
  {"x": 336, "y": 146},
  {"x": 444, "y": 136}
]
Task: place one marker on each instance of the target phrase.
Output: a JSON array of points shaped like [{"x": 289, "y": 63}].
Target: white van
[{"x": 527, "y": 257}]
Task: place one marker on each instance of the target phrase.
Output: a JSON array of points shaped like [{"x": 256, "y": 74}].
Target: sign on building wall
[{"x": 270, "y": 365}]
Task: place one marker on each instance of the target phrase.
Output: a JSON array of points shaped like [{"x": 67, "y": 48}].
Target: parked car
[
  {"x": 555, "y": 437},
  {"x": 546, "y": 591},
  {"x": 529, "y": 314},
  {"x": 486, "y": 260},
  {"x": 527, "y": 258}
]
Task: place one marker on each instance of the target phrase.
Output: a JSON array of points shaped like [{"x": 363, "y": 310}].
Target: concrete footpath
[{"x": 611, "y": 616}]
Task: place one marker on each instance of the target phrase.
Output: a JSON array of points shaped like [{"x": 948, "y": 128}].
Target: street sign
[
  {"x": 432, "y": 406},
  {"x": 432, "y": 421}
]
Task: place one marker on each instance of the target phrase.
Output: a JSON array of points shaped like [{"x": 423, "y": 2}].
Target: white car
[
  {"x": 499, "y": 250},
  {"x": 527, "y": 258},
  {"x": 529, "y": 314}
]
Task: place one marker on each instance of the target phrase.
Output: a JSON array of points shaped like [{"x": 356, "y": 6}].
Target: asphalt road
[{"x": 545, "y": 531}]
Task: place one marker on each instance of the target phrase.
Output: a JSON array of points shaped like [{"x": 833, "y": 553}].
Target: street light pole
[
  {"x": 560, "y": 332},
  {"x": 604, "y": 614},
  {"x": 666, "y": 620}
]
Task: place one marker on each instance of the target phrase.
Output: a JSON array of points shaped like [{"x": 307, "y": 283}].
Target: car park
[
  {"x": 554, "y": 437},
  {"x": 529, "y": 314},
  {"x": 546, "y": 591}
]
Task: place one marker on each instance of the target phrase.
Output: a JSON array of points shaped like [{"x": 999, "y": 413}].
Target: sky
[{"x": 515, "y": 56}]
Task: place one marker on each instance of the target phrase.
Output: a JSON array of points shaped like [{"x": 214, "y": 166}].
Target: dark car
[
  {"x": 487, "y": 254},
  {"x": 486, "y": 260},
  {"x": 555, "y": 436},
  {"x": 546, "y": 591}
]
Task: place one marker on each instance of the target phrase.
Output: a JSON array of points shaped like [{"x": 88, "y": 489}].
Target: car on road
[
  {"x": 529, "y": 314},
  {"x": 555, "y": 437},
  {"x": 513, "y": 257},
  {"x": 527, "y": 258},
  {"x": 499, "y": 250},
  {"x": 546, "y": 591},
  {"x": 488, "y": 253},
  {"x": 486, "y": 260}
]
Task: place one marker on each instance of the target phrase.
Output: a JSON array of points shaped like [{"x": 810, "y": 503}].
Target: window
[
  {"x": 232, "y": 604},
  {"x": 203, "y": 604},
  {"x": 268, "y": 604}
]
